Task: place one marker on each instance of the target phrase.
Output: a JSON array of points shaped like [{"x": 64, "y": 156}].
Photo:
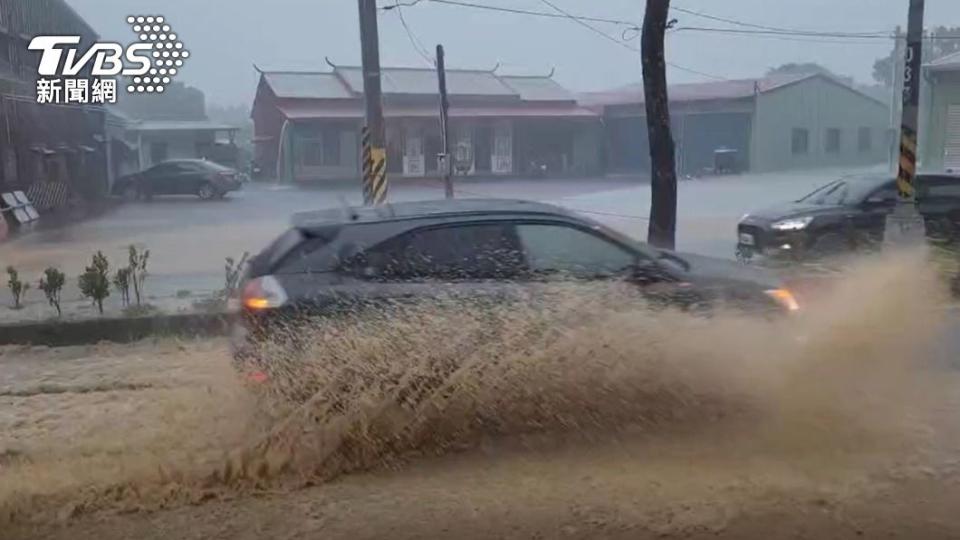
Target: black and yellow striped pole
[
  {"x": 905, "y": 225},
  {"x": 373, "y": 137},
  {"x": 374, "y": 165}
]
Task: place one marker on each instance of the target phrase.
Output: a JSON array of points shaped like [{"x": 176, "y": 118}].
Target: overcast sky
[{"x": 226, "y": 37}]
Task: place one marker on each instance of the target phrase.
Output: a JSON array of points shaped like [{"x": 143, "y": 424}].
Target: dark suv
[
  {"x": 846, "y": 214},
  {"x": 330, "y": 261}
]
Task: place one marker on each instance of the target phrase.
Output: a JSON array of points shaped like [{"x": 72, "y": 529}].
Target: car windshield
[
  {"x": 833, "y": 193},
  {"x": 549, "y": 273},
  {"x": 850, "y": 190}
]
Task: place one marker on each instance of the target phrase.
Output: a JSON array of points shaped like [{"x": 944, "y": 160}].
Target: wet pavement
[{"x": 190, "y": 239}]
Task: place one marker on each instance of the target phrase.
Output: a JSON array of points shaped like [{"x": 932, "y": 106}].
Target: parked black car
[
  {"x": 331, "y": 260},
  {"x": 847, "y": 214},
  {"x": 205, "y": 179}
]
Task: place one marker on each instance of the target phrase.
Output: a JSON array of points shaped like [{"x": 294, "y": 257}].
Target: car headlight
[
  {"x": 785, "y": 298},
  {"x": 792, "y": 224}
]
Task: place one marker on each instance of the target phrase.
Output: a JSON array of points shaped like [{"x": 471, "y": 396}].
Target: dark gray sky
[{"x": 226, "y": 37}]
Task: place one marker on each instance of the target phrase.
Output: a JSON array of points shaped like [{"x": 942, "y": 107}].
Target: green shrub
[
  {"x": 17, "y": 288},
  {"x": 138, "y": 270},
  {"x": 94, "y": 282},
  {"x": 52, "y": 284}
]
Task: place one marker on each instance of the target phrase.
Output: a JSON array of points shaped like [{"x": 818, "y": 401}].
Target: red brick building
[{"x": 307, "y": 124}]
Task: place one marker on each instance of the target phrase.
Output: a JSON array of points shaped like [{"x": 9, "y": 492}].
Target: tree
[
  {"x": 804, "y": 68},
  {"x": 663, "y": 178},
  {"x": 138, "y": 270},
  {"x": 51, "y": 284},
  {"x": 17, "y": 288},
  {"x": 936, "y": 46},
  {"x": 94, "y": 282},
  {"x": 177, "y": 102},
  {"x": 121, "y": 282}
]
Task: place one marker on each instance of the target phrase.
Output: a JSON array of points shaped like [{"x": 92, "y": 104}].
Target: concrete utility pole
[
  {"x": 374, "y": 152},
  {"x": 444, "y": 160},
  {"x": 663, "y": 180},
  {"x": 905, "y": 225},
  {"x": 896, "y": 98}
]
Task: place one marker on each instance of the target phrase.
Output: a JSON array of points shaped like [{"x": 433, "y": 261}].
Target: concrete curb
[{"x": 118, "y": 330}]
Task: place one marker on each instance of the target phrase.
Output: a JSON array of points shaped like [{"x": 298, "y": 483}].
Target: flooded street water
[{"x": 578, "y": 417}]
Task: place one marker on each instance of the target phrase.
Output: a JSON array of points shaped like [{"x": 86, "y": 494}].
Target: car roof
[{"x": 441, "y": 208}]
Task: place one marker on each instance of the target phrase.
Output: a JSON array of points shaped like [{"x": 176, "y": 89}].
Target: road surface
[{"x": 840, "y": 423}]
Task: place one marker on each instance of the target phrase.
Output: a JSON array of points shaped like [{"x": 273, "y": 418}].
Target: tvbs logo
[{"x": 69, "y": 76}]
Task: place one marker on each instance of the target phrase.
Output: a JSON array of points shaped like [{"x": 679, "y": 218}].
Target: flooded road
[{"x": 577, "y": 421}]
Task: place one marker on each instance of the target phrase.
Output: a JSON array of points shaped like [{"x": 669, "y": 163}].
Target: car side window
[
  {"x": 160, "y": 170},
  {"x": 469, "y": 251},
  {"x": 943, "y": 189},
  {"x": 167, "y": 169},
  {"x": 567, "y": 250}
]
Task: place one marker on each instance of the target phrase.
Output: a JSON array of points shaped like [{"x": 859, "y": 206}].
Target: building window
[
  {"x": 833, "y": 141},
  {"x": 320, "y": 149},
  {"x": 331, "y": 147},
  {"x": 865, "y": 139},
  {"x": 800, "y": 141},
  {"x": 311, "y": 151}
]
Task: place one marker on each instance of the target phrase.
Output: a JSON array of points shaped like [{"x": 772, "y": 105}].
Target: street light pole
[
  {"x": 905, "y": 226},
  {"x": 373, "y": 138}
]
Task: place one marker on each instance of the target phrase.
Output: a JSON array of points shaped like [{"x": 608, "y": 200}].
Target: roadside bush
[
  {"x": 138, "y": 270},
  {"x": 143, "y": 310},
  {"x": 17, "y": 288},
  {"x": 94, "y": 282},
  {"x": 233, "y": 269},
  {"x": 121, "y": 282},
  {"x": 232, "y": 272},
  {"x": 52, "y": 284}
]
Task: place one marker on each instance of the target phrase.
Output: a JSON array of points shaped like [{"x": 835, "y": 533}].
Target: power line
[
  {"x": 783, "y": 33},
  {"x": 517, "y": 11},
  {"x": 417, "y": 45},
  {"x": 851, "y": 38},
  {"x": 626, "y": 45},
  {"x": 765, "y": 27}
]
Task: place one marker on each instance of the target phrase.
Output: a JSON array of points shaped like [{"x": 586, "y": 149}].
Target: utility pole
[
  {"x": 663, "y": 179},
  {"x": 896, "y": 99},
  {"x": 373, "y": 138},
  {"x": 444, "y": 160},
  {"x": 905, "y": 226}
]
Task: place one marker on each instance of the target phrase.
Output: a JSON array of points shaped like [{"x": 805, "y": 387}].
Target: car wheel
[
  {"x": 206, "y": 191},
  {"x": 829, "y": 245},
  {"x": 131, "y": 193}
]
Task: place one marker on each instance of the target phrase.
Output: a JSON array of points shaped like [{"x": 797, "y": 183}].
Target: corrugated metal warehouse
[
  {"x": 940, "y": 133},
  {"x": 768, "y": 124}
]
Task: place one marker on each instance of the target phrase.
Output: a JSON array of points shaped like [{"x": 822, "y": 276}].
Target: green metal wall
[{"x": 816, "y": 104}]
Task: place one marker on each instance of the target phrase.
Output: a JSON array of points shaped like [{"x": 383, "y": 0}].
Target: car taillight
[{"x": 263, "y": 293}]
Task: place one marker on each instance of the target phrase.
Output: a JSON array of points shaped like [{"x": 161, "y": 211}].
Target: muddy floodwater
[{"x": 582, "y": 416}]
